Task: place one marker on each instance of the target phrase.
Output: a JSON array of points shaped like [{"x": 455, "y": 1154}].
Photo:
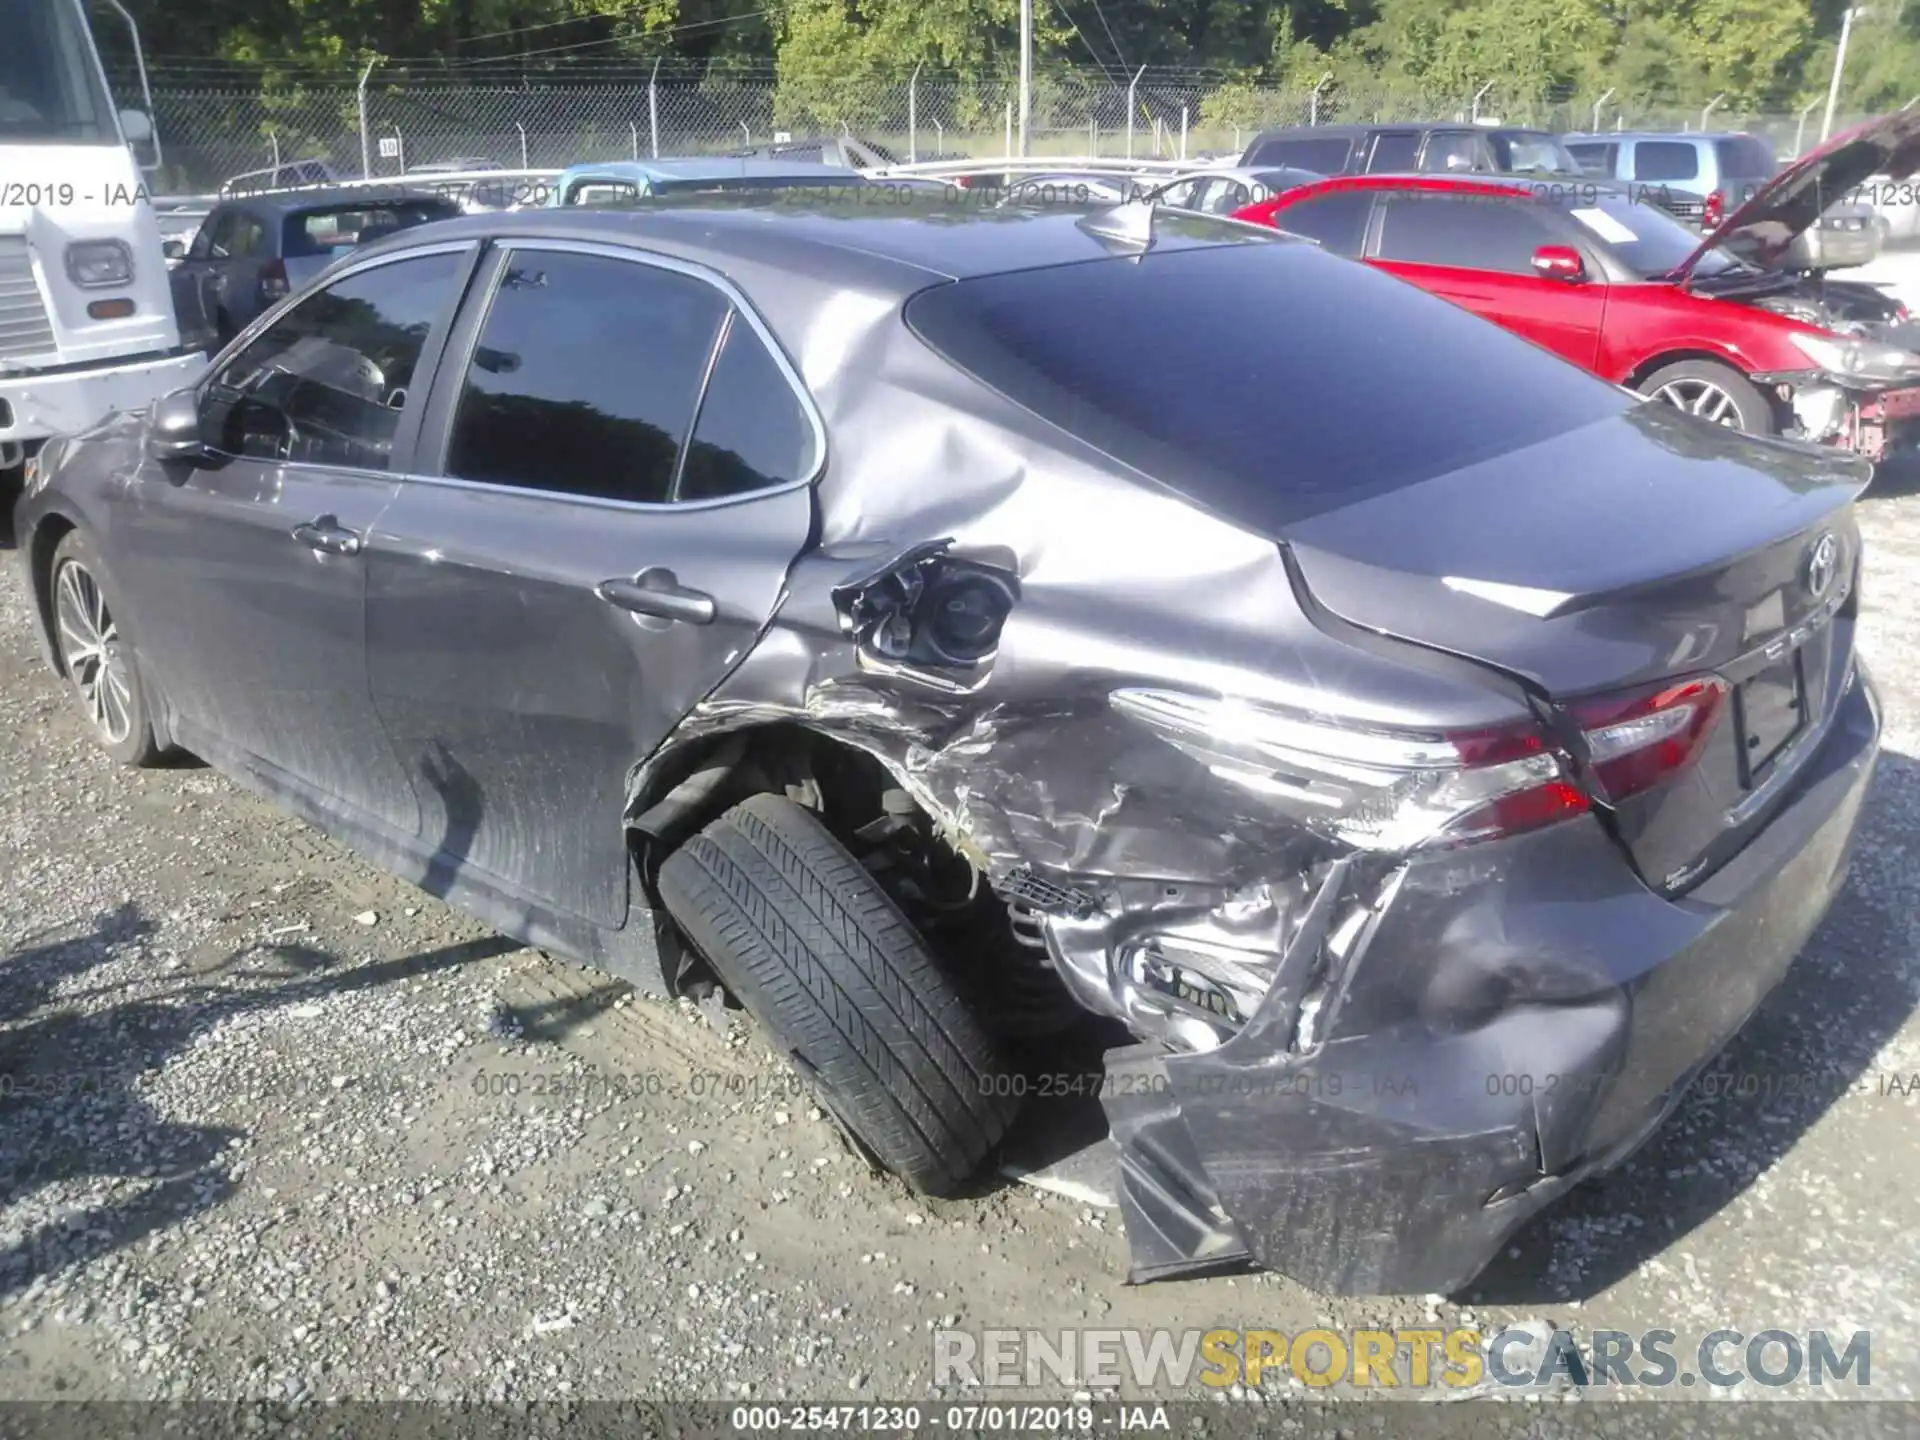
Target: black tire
[
  {"x": 824, "y": 960},
  {"x": 112, "y": 698},
  {"x": 1750, "y": 409}
]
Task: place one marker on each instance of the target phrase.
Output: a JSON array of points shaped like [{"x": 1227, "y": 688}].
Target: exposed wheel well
[
  {"x": 991, "y": 946},
  {"x": 46, "y": 539},
  {"x": 848, "y": 787}
]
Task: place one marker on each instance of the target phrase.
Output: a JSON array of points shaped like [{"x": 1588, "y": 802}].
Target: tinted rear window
[
  {"x": 1322, "y": 154},
  {"x": 340, "y": 227},
  {"x": 1746, "y": 156},
  {"x": 1268, "y": 382},
  {"x": 1665, "y": 160}
]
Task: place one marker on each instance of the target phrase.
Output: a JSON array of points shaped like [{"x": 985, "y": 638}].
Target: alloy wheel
[
  {"x": 1701, "y": 398},
  {"x": 90, "y": 650}
]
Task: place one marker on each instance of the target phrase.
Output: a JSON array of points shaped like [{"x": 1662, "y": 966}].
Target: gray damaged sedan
[{"x": 927, "y": 628}]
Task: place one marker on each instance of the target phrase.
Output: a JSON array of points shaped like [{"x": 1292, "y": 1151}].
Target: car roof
[
  {"x": 904, "y": 245},
  {"x": 1588, "y": 136},
  {"x": 703, "y": 167},
  {"x": 327, "y": 197},
  {"x": 1518, "y": 187}
]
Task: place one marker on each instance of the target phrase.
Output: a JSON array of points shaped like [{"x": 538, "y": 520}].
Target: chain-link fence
[{"x": 394, "y": 123}]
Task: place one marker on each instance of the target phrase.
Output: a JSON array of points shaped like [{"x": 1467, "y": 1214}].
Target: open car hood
[{"x": 1762, "y": 231}]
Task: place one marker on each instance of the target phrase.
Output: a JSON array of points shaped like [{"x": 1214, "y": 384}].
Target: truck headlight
[
  {"x": 1861, "y": 358},
  {"x": 99, "y": 264}
]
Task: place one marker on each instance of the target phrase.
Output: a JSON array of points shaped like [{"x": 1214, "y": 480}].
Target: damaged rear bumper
[{"x": 1522, "y": 1016}]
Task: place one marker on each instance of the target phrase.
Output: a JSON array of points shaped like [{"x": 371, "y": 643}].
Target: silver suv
[{"x": 1704, "y": 178}]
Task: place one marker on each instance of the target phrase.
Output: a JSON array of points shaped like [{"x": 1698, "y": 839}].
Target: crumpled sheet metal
[
  {"x": 1026, "y": 765},
  {"x": 1119, "y": 583}
]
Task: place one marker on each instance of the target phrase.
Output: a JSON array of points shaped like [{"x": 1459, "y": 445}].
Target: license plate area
[{"x": 1769, "y": 712}]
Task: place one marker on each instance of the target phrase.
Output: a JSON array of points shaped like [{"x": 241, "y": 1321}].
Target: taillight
[
  {"x": 965, "y": 182},
  {"x": 1714, "y": 211},
  {"x": 273, "y": 280},
  {"x": 1636, "y": 742},
  {"x": 1379, "y": 789},
  {"x": 1518, "y": 779}
]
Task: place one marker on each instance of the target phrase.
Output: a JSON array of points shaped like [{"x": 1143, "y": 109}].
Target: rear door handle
[
  {"x": 658, "y": 592},
  {"x": 329, "y": 535}
]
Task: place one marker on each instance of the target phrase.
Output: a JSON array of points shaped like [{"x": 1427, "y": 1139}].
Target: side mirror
[
  {"x": 137, "y": 127},
  {"x": 174, "y": 249},
  {"x": 173, "y": 429},
  {"x": 1559, "y": 262}
]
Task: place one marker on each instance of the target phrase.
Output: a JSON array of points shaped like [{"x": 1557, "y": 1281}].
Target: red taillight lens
[
  {"x": 1715, "y": 211},
  {"x": 965, "y": 182},
  {"x": 273, "y": 280},
  {"x": 1520, "y": 778},
  {"x": 1635, "y": 742}
]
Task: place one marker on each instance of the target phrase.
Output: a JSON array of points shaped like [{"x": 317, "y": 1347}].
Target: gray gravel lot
[{"x": 276, "y": 1126}]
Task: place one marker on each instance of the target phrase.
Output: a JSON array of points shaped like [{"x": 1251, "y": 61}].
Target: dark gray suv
[{"x": 932, "y": 628}]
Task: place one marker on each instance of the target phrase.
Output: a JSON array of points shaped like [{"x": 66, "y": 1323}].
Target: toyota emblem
[{"x": 1821, "y": 564}]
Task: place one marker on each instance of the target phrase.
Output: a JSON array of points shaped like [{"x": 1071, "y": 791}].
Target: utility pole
[
  {"x": 1026, "y": 74},
  {"x": 1839, "y": 64}
]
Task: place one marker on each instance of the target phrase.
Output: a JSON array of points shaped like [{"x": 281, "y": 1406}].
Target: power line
[
  {"x": 1110, "y": 40},
  {"x": 605, "y": 15},
  {"x": 1060, "y": 5},
  {"x": 609, "y": 39}
]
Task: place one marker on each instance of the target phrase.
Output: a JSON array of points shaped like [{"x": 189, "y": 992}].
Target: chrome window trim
[{"x": 738, "y": 304}]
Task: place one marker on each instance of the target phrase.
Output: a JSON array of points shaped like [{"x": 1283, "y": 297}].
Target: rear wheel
[
  {"x": 95, "y": 655},
  {"x": 825, "y": 961},
  {"x": 1713, "y": 392}
]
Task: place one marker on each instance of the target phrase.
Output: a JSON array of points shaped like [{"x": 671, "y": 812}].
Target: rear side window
[
  {"x": 1324, "y": 155},
  {"x": 1746, "y": 156},
  {"x": 337, "y": 228},
  {"x": 585, "y": 377},
  {"x": 601, "y": 192},
  {"x": 752, "y": 432},
  {"x": 1258, "y": 352},
  {"x": 1454, "y": 151},
  {"x": 1471, "y": 232},
  {"x": 1655, "y": 160},
  {"x": 1594, "y": 159},
  {"x": 1394, "y": 150},
  {"x": 1337, "y": 220}
]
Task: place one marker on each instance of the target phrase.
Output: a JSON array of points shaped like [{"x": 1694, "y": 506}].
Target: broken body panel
[{"x": 1425, "y": 1047}]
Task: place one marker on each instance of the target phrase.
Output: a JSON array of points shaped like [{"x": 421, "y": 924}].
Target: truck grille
[{"x": 24, "y": 328}]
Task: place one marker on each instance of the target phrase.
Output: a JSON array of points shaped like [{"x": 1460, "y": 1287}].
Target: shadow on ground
[{"x": 72, "y": 1106}]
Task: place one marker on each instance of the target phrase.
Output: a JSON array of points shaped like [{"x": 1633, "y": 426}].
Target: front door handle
[
  {"x": 658, "y": 592},
  {"x": 329, "y": 535}
]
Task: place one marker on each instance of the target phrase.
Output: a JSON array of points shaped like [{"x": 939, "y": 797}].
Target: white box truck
[{"x": 86, "y": 315}]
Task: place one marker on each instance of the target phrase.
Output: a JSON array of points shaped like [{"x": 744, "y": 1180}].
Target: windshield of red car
[{"x": 1647, "y": 240}]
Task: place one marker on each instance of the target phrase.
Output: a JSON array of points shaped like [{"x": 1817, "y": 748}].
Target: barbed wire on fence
[{"x": 214, "y": 127}]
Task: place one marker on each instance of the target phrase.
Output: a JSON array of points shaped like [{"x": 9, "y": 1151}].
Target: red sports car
[{"x": 1729, "y": 327}]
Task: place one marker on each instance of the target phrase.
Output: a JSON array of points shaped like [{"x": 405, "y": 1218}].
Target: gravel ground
[{"x": 276, "y": 1126}]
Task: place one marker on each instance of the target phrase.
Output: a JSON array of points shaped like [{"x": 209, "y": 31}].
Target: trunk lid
[
  {"x": 1763, "y": 230},
  {"x": 1697, "y": 557}
]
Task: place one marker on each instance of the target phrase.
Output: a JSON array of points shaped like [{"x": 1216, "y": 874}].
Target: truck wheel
[
  {"x": 825, "y": 961},
  {"x": 95, "y": 655},
  {"x": 1713, "y": 392}
]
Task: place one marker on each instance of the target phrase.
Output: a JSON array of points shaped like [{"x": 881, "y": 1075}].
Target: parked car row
[{"x": 1741, "y": 326}]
